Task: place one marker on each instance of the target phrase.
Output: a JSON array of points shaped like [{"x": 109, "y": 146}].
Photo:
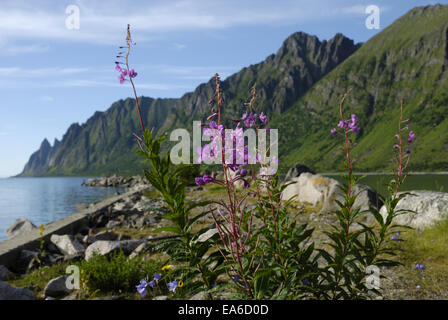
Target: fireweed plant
[
  {"x": 197, "y": 270},
  {"x": 254, "y": 240}
]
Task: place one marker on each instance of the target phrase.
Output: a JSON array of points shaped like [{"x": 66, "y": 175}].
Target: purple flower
[
  {"x": 172, "y": 286},
  {"x": 235, "y": 278},
  {"x": 117, "y": 67},
  {"x": 244, "y": 116},
  {"x": 250, "y": 119},
  {"x": 343, "y": 124},
  {"x": 141, "y": 288},
  {"x": 207, "y": 178},
  {"x": 397, "y": 136},
  {"x": 396, "y": 146},
  {"x": 398, "y": 233},
  {"x": 408, "y": 151},
  {"x": 122, "y": 78},
  {"x": 383, "y": 267},
  {"x": 420, "y": 266},
  {"x": 263, "y": 118},
  {"x": 333, "y": 131},
  {"x": 419, "y": 287},
  {"x": 243, "y": 172},
  {"x": 213, "y": 125},
  {"x": 411, "y": 136},
  {"x": 132, "y": 73},
  {"x": 199, "y": 181},
  {"x": 246, "y": 184},
  {"x": 157, "y": 276},
  {"x": 124, "y": 72},
  {"x": 152, "y": 283}
]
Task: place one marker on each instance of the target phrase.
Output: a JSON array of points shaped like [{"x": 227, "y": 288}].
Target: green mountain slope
[
  {"x": 408, "y": 61},
  {"x": 103, "y": 144}
]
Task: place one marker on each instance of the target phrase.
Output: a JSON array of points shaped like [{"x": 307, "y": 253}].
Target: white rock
[
  {"x": 19, "y": 227},
  {"x": 207, "y": 235},
  {"x": 106, "y": 247},
  {"x": 67, "y": 244},
  {"x": 429, "y": 207},
  {"x": 317, "y": 190}
]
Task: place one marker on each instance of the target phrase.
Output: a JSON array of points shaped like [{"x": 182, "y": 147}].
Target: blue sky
[{"x": 52, "y": 76}]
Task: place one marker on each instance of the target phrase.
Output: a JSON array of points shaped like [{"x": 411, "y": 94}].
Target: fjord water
[
  {"x": 421, "y": 181},
  {"x": 43, "y": 200}
]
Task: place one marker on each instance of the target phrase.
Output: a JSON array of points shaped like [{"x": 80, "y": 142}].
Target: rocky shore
[{"x": 116, "y": 181}]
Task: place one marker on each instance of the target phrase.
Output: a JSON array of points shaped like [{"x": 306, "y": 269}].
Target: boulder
[
  {"x": 68, "y": 245},
  {"x": 108, "y": 247},
  {"x": 296, "y": 171},
  {"x": 25, "y": 261},
  {"x": 4, "y": 273},
  {"x": 320, "y": 191},
  {"x": 19, "y": 227},
  {"x": 112, "y": 224},
  {"x": 57, "y": 287},
  {"x": 428, "y": 206},
  {"x": 8, "y": 292}
]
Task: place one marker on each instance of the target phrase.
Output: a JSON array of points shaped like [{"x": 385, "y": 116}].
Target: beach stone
[
  {"x": 108, "y": 247},
  {"x": 429, "y": 206},
  {"x": 19, "y": 227},
  {"x": 112, "y": 224},
  {"x": 143, "y": 221},
  {"x": 25, "y": 261},
  {"x": 161, "y": 298},
  {"x": 320, "y": 191},
  {"x": 8, "y": 292},
  {"x": 67, "y": 244},
  {"x": 296, "y": 171},
  {"x": 57, "y": 287},
  {"x": 4, "y": 273},
  {"x": 106, "y": 235}
]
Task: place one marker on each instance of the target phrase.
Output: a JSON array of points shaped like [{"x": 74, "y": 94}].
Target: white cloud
[
  {"x": 105, "y": 21},
  {"x": 180, "y": 46}
]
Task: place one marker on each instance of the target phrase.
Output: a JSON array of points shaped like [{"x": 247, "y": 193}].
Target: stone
[
  {"x": 145, "y": 220},
  {"x": 67, "y": 244},
  {"x": 296, "y": 171},
  {"x": 107, "y": 247},
  {"x": 319, "y": 191},
  {"x": 199, "y": 296},
  {"x": 19, "y": 227},
  {"x": 25, "y": 261},
  {"x": 112, "y": 224},
  {"x": 161, "y": 298},
  {"x": 57, "y": 287},
  {"x": 429, "y": 207},
  {"x": 4, "y": 273},
  {"x": 106, "y": 235},
  {"x": 8, "y": 292}
]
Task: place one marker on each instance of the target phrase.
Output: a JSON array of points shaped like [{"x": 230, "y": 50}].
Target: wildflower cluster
[{"x": 154, "y": 283}]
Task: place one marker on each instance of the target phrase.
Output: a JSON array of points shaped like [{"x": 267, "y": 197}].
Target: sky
[{"x": 57, "y": 57}]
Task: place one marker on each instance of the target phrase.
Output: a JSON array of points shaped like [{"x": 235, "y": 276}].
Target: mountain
[
  {"x": 299, "y": 88},
  {"x": 103, "y": 144},
  {"x": 408, "y": 60}
]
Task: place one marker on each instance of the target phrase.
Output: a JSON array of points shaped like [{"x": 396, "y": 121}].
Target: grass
[{"x": 429, "y": 248}]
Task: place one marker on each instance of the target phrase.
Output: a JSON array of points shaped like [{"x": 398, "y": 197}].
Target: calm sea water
[
  {"x": 43, "y": 200},
  {"x": 433, "y": 182}
]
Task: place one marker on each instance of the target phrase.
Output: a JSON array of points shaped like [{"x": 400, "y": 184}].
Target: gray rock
[
  {"x": 25, "y": 261},
  {"x": 144, "y": 221},
  {"x": 429, "y": 207},
  {"x": 108, "y": 247},
  {"x": 57, "y": 287},
  {"x": 68, "y": 245},
  {"x": 112, "y": 224},
  {"x": 106, "y": 235},
  {"x": 8, "y": 292},
  {"x": 161, "y": 298},
  {"x": 19, "y": 227},
  {"x": 296, "y": 171},
  {"x": 4, "y": 273},
  {"x": 317, "y": 190},
  {"x": 199, "y": 296}
]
